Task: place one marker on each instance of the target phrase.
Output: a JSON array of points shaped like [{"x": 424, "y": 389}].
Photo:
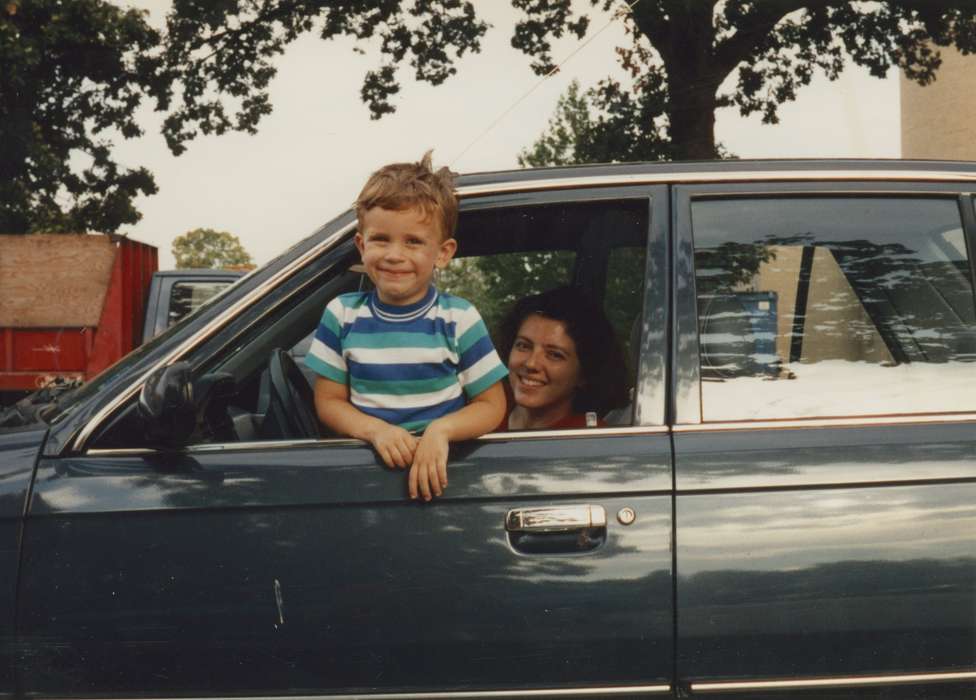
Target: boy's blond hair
[{"x": 400, "y": 186}]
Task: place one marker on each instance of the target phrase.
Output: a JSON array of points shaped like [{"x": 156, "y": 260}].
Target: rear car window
[{"x": 833, "y": 306}]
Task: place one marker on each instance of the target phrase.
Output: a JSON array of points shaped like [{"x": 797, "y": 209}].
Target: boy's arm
[
  {"x": 394, "y": 445},
  {"x": 428, "y": 475}
]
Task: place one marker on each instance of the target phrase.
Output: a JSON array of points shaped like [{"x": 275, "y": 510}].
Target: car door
[
  {"x": 18, "y": 452},
  {"x": 825, "y": 439},
  {"x": 278, "y": 566}
]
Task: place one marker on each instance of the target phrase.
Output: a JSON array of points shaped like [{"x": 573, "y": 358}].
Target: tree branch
[
  {"x": 758, "y": 25},
  {"x": 651, "y": 22}
]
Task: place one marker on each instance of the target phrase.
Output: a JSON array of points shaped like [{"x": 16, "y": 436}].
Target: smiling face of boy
[{"x": 400, "y": 250}]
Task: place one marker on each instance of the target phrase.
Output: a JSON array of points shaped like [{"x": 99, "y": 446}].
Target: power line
[{"x": 555, "y": 69}]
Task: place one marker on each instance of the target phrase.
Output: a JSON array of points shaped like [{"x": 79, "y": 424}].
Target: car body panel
[
  {"x": 176, "y": 564},
  {"x": 19, "y": 448},
  {"x": 829, "y": 552}
]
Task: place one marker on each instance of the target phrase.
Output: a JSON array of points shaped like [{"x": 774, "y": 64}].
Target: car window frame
[
  {"x": 649, "y": 383},
  {"x": 968, "y": 211},
  {"x": 649, "y": 399},
  {"x": 686, "y": 381}
]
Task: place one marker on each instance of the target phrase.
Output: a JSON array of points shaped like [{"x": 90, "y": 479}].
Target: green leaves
[
  {"x": 207, "y": 248},
  {"x": 219, "y": 55},
  {"x": 73, "y": 75},
  {"x": 605, "y": 124},
  {"x": 684, "y": 50},
  {"x": 545, "y": 19}
]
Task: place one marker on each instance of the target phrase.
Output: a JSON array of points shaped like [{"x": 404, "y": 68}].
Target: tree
[
  {"x": 72, "y": 73},
  {"x": 226, "y": 48},
  {"x": 204, "y": 247},
  {"x": 687, "y": 58},
  {"x": 75, "y": 73},
  {"x": 576, "y": 135}
]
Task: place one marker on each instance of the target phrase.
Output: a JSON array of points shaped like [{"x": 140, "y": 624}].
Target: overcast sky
[{"x": 312, "y": 154}]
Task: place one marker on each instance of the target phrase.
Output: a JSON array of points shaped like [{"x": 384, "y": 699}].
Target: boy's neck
[{"x": 394, "y": 310}]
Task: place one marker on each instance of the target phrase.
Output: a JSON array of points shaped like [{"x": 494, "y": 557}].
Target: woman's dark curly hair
[{"x": 602, "y": 364}]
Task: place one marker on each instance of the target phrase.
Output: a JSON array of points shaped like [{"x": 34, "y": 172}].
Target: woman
[{"x": 565, "y": 365}]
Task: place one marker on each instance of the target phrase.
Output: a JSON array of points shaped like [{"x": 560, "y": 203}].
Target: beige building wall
[
  {"x": 939, "y": 120},
  {"x": 838, "y": 326}
]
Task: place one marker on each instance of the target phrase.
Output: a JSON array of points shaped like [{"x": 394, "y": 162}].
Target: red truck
[{"x": 71, "y": 305}]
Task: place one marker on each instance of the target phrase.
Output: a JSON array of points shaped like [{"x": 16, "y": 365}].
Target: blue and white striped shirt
[{"x": 406, "y": 365}]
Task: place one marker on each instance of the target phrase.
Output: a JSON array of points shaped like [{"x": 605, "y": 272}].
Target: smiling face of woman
[{"x": 544, "y": 372}]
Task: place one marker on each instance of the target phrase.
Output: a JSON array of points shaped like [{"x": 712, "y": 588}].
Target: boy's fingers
[
  {"x": 403, "y": 449},
  {"x": 412, "y": 481},
  {"x": 385, "y": 456},
  {"x": 442, "y": 472},
  {"x": 424, "y": 482},
  {"x": 407, "y": 449},
  {"x": 435, "y": 480},
  {"x": 403, "y": 456},
  {"x": 400, "y": 458},
  {"x": 409, "y": 446}
]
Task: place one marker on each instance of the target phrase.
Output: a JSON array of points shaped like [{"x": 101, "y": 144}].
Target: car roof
[
  {"x": 679, "y": 170},
  {"x": 199, "y": 272}
]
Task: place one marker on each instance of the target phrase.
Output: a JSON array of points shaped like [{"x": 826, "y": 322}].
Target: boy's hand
[
  {"x": 428, "y": 474},
  {"x": 394, "y": 445}
]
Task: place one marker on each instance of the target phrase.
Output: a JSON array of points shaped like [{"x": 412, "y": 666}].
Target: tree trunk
[
  {"x": 686, "y": 40},
  {"x": 691, "y": 112}
]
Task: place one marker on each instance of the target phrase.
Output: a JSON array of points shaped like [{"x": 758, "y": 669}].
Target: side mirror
[{"x": 166, "y": 406}]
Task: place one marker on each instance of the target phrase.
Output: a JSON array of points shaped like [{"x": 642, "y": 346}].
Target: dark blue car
[{"x": 786, "y": 508}]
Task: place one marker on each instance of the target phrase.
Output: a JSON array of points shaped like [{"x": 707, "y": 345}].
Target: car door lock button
[{"x": 626, "y": 516}]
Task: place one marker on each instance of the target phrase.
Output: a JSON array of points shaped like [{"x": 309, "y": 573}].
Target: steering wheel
[{"x": 291, "y": 405}]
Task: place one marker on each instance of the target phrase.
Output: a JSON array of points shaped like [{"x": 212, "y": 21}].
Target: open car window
[{"x": 504, "y": 254}]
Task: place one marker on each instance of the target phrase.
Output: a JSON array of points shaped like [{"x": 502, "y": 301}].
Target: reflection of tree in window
[
  {"x": 922, "y": 310},
  {"x": 737, "y": 338},
  {"x": 868, "y": 302},
  {"x": 907, "y": 301},
  {"x": 729, "y": 266}
]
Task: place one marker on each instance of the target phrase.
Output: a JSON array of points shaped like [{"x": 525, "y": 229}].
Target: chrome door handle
[{"x": 555, "y": 518}]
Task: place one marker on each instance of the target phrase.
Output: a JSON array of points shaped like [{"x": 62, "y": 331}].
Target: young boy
[{"x": 405, "y": 357}]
